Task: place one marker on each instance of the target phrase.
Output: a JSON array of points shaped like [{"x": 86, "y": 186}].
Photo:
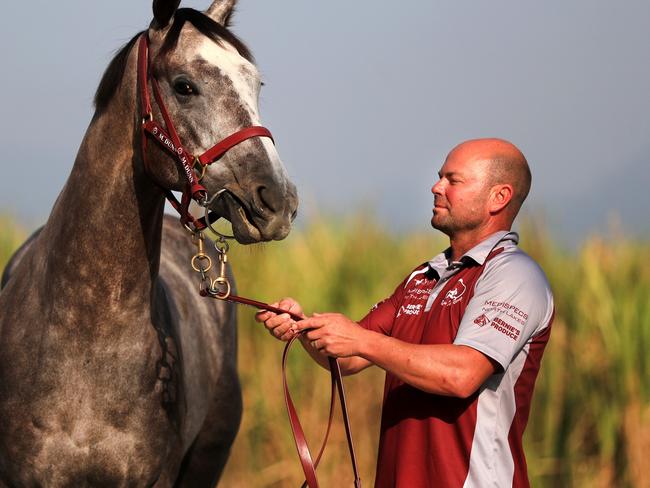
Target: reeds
[
  {"x": 590, "y": 420},
  {"x": 11, "y": 236}
]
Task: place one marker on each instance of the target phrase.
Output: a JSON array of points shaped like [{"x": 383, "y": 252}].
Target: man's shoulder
[
  {"x": 515, "y": 266},
  {"x": 513, "y": 284}
]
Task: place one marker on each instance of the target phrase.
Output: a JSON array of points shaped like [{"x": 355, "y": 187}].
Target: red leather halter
[{"x": 170, "y": 141}]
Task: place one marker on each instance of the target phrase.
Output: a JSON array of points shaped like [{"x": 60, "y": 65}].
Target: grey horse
[{"x": 113, "y": 370}]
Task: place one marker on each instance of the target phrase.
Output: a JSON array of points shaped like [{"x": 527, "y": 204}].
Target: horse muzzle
[{"x": 262, "y": 214}]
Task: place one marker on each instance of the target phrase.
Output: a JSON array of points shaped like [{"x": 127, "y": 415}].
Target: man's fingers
[
  {"x": 314, "y": 334},
  {"x": 263, "y": 315},
  {"x": 288, "y": 335},
  {"x": 311, "y": 323},
  {"x": 286, "y": 304},
  {"x": 280, "y": 330}
]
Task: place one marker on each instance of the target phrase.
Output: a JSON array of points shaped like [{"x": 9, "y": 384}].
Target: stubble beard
[
  {"x": 450, "y": 225},
  {"x": 443, "y": 224}
]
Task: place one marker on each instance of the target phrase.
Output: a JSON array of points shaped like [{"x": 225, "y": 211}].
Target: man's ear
[{"x": 500, "y": 196}]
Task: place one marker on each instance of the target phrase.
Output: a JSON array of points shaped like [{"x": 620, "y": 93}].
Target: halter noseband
[{"x": 170, "y": 141}]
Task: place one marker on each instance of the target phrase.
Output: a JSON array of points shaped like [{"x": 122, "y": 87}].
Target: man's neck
[{"x": 462, "y": 242}]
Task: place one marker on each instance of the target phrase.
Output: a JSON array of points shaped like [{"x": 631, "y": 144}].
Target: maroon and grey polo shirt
[{"x": 497, "y": 300}]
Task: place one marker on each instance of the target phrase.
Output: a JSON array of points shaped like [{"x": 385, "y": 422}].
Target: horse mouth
[{"x": 244, "y": 228}]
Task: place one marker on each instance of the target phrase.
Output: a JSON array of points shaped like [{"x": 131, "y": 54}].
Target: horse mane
[{"x": 114, "y": 73}]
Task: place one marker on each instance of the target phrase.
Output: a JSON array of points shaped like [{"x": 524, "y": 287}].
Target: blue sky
[{"x": 365, "y": 100}]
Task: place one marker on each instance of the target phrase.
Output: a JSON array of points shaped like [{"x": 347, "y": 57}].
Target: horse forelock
[
  {"x": 206, "y": 26},
  {"x": 114, "y": 73}
]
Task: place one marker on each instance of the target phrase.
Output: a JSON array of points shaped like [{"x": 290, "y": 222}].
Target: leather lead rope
[{"x": 308, "y": 464}]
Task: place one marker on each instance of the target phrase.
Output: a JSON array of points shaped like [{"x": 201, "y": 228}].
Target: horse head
[{"x": 210, "y": 86}]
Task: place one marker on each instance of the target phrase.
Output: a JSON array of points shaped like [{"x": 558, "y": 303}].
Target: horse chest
[
  {"x": 86, "y": 437},
  {"x": 75, "y": 403}
]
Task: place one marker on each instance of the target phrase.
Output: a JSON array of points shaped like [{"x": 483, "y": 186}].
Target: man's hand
[
  {"x": 281, "y": 326},
  {"x": 333, "y": 334}
]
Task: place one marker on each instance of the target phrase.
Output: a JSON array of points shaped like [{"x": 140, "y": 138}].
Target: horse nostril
[{"x": 264, "y": 198}]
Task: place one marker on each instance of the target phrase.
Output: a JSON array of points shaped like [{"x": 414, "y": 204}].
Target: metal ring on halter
[
  {"x": 207, "y": 215},
  {"x": 221, "y": 246},
  {"x": 198, "y": 258},
  {"x": 220, "y": 281}
]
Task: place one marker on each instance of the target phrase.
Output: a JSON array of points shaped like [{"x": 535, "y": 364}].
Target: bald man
[{"x": 460, "y": 339}]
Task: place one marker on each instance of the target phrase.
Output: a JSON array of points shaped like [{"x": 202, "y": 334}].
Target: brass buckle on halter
[
  {"x": 148, "y": 117},
  {"x": 202, "y": 168},
  {"x": 200, "y": 257},
  {"x": 220, "y": 287}
]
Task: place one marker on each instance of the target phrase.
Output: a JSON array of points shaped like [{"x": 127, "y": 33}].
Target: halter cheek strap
[{"x": 167, "y": 137}]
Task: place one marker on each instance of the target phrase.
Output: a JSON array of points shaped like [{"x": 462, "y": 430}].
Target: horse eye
[{"x": 184, "y": 87}]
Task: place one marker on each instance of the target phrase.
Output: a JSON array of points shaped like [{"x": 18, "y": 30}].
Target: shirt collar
[
  {"x": 482, "y": 250},
  {"x": 478, "y": 253}
]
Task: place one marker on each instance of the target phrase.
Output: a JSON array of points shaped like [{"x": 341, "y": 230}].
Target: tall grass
[
  {"x": 11, "y": 236},
  {"x": 590, "y": 421}
]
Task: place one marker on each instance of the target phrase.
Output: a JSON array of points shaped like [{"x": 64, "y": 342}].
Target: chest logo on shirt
[
  {"x": 410, "y": 309},
  {"x": 455, "y": 294}
]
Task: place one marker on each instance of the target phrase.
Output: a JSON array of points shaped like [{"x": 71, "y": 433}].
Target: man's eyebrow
[{"x": 448, "y": 174}]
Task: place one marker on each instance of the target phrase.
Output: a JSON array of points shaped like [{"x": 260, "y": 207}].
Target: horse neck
[{"x": 103, "y": 235}]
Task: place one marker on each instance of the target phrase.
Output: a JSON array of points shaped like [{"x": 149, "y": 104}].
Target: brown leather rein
[
  {"x": 219, "y": 288},
  {"x": 306, "y": 460}
]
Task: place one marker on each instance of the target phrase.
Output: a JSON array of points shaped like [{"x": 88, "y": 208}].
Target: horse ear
[
  {"x": 163, "y": 11},
  {"x": 221, "y": 10}
]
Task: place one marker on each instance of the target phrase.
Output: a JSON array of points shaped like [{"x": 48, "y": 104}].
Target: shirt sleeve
[
  {"x": 512, "y": 303},
  {"x": 381, "y": 316}
]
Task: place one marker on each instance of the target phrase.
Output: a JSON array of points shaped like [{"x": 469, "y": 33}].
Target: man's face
[{"x": 461, "y": 193}]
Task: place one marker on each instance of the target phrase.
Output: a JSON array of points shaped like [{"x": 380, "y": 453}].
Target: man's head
[{"x": 482, "y": 186}]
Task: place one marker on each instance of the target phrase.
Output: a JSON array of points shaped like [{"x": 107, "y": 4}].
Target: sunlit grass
[
  {"x": 590, "y": 421},
  {"x": 11, "y": 236}
]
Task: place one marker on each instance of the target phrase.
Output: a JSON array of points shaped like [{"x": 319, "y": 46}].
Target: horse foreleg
[{"x": 206, "y": 459}]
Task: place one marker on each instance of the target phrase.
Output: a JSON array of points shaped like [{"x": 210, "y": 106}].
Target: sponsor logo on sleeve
[
  {"x": 481, "y": 320},
  {"x": 505, "y": 328},
  {"x": 512, "y": 311},
  {"x": 455, "y": 294}
]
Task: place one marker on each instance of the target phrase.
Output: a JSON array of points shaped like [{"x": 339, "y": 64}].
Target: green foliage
[
  {"x": 590, "y": 421},
  {"x": 11, "y": 236}
]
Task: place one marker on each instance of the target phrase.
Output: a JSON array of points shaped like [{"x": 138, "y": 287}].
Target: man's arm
[
  {"x": 283, "y": 327},
  {"x": 443, "y": 369}
]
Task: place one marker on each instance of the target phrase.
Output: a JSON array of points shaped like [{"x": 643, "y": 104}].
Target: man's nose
[{"x": 437, "y": 187}]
